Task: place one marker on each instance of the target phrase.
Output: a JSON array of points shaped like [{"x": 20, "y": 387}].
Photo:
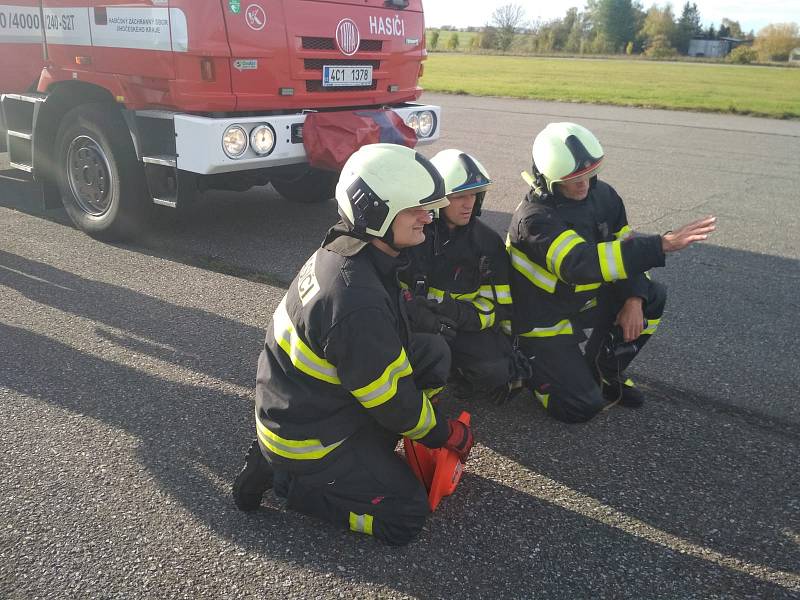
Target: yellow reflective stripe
[
  {"x": 294, "y": 449},
  {"x": 587, "y": 287},
  {"x": 561, "y": 328},
  {"x": 385, "y": 386},
  {"x": 543, "y": 398},
  {"x": 485, "y": 312},
  {"x": 426, "y": 422},
  {"x": 611, "y": 265},
  {"x": 465, "y": 295},
  {"x": 537, "y": 275},
  {"x": 559, "y": 249},
  {"x": 629, "y": 382},
  {"x": 361, "y": 523},
  {"x": 432, "y": 392},
  {"x": 403, "y": 285},
  {"x": 435, "y": 294},
  {"x": 483, "y": 305},
  {"x": 505, "y": 327},
  {"x": 502, "y": 293},
  {"x": 624, "y": 233},
  {"x": 486, "y": 292},
  {"x": 302, "y": 357},
  {"x": 652, "y": 325}
]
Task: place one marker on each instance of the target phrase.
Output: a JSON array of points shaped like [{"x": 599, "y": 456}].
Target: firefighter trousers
[
  {"x": 484, "y": 358},
  {"x": 366, "y": 487},
  {"x": 566, "y": 377}
]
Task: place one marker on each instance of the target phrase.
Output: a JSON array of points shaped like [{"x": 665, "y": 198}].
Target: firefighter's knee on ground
[
  {"x": 575, "y": 410},
  {"x": 404, "y": 526}
]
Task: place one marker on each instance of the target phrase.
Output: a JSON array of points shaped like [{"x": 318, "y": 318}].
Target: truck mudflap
[
  {"x": 330, "y": 138},
  {"x": 200, "y": 147}
]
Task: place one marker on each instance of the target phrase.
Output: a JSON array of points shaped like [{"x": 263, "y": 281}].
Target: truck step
[
  {"x": 29, "y": 97},
  {"x": 21, "y": 166},
  {"x": 165, "y": 160}
]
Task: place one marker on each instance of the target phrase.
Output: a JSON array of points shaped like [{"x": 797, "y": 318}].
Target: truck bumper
[{"x": 199, "y": 149}]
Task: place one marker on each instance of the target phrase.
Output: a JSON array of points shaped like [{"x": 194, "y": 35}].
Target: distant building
[
  {"x": 794, "y": 56},
  {"x": 714, "y": 48}
]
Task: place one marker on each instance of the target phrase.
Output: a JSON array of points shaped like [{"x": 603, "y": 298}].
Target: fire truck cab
[{"x": 116, "y": 105}]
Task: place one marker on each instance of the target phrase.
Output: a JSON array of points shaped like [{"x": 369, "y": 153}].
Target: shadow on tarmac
[{"x": 715, "y": 495}]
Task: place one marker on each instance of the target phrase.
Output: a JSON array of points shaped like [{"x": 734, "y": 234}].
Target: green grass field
[{"x": 764, "y": 91}]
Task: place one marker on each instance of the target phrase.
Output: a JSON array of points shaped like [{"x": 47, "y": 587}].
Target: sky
[{"x": 751, "y": 14}]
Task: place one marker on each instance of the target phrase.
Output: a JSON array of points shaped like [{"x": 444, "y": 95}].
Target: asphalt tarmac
[{"x": 127, "y": 373}]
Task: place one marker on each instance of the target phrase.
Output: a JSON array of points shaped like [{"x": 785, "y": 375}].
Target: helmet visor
[
  {"x": 589, "y": 170},
  {"x": 434, "y": 204}
]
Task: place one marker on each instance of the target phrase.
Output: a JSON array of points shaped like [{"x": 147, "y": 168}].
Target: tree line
[{"x": 617, "y": 27}]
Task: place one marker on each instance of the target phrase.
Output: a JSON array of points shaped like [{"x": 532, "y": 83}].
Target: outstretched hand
[{"x": 696, "y": 231}]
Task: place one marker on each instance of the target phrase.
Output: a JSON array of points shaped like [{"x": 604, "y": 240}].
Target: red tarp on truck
[{"x": 330, "y": 138}]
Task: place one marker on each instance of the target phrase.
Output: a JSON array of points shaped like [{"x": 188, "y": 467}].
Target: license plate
[{"x": 350, "y": 75}]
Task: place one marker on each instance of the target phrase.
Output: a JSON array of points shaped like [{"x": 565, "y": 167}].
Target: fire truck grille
[
  {"x": 320, "y": 43},
  {"x": 316, "y": 64},
  {"x": 312, "y": 85}
]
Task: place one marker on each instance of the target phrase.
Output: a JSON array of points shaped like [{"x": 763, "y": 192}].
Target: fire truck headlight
[
  {"x": 413, "y": 122},
  {"x": 427, "y": 123},
  {"x": 262, "y": 140},
  {"x": 234, "y": 141}
]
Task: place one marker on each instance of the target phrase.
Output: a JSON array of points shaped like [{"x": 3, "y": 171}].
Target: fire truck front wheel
[
  {"x": 313, "y": 185},
  {"x": 101, "y": 181}
]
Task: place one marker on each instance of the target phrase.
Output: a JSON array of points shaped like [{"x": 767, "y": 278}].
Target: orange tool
[{"x": 438, "y": 469}]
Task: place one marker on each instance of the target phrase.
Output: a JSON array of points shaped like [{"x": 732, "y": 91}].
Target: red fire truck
[{"x": 115, "y": 106}]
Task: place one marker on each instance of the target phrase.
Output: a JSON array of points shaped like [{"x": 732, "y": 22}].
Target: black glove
[
  {"x": 425, "y": 320},
  {"x": 459, "y": 439},
  {"x": 462, "y": 314}
]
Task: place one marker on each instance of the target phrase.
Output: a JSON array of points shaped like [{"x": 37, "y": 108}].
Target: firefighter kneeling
[
  {"x": 341, "y": 376},
  {"x": 577, "y": 265},
  {"x": 461, "y": 272}
]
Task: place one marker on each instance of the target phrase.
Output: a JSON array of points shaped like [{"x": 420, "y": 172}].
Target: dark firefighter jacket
[
  {"x": 335, "y": 359},
  {"x": 562, "y": 251},
  {"x": 471, "y": 264}
]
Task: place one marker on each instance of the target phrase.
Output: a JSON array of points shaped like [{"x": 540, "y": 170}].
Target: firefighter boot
[
  {"x": 253, "y": 481},
  {"x": 621, "y": 392}
]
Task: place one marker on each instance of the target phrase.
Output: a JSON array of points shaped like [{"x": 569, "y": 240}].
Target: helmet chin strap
[{"x": 388, "y": 239}]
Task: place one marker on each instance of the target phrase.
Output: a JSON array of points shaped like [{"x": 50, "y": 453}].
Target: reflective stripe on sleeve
[
  {"x": 559, "y": 249},
  {"x": 361, "y": 523},
  {"x": 500, "y": 293},
  {"x": 431, "y": 393},
  {"x": 303, "y": 358},
  {"x": 487, "y": 320},
  {"x": 624, "y": 233},
  {"x": 561, "y": 328},
  {"x": 385, "y": 386},
  {"x": 652, "y": 325},
  {"x": 587, "y": 287},
  {"x": 434, "y": 294},
  {"x": 505, "y": 327},
  {"x": 537, "y": 275},
  {"x": 426, "y": 422},
  {"x": 293, "y": 449},
  {"x": 611, "y": 265}
]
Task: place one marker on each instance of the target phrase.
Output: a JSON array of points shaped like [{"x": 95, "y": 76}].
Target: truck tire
[
  {"x": 101, "y": 181},
  {"x": 315, "y": 185}
]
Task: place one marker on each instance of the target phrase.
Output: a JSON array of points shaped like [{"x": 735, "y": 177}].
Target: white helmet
[
  {"x": 562, "y": 151},
  {"x": 380, "y": 180},
  {"x": 462, "y": 173}
]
